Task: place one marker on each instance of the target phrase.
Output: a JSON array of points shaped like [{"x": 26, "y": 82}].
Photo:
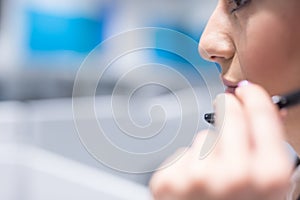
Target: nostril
[{"x": 216, "y": 47}]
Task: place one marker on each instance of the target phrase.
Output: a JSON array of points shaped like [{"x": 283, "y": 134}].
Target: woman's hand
[{"x": 249, "y": 161}]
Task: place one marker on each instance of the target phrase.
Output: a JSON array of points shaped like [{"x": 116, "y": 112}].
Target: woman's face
[{"x": 257, "y": 40}]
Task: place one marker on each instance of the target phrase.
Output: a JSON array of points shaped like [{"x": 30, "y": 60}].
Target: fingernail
[{"x": 244, "y": 83}]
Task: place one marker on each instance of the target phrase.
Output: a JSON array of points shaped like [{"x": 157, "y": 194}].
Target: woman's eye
[{"x": 237, "y": 4}]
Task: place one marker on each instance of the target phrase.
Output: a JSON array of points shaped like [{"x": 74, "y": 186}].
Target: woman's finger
[
  {"x": 231, "y": 169},
  {"x": 263, "y": 117},
  {"x": 271, "y": 166},
  {"x": 232, "y": 125}
]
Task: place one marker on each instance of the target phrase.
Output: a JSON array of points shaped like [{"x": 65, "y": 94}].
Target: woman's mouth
[{"x": 230, "y": 85}]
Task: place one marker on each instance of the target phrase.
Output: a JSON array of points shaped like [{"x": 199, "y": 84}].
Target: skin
[{"x": 260, "y": 43}]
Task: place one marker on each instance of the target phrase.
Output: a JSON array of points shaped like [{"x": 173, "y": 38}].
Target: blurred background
[{"x": 42, "y": 45}]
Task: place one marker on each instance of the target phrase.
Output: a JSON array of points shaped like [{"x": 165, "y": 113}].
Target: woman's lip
[
  {"x": 229, "y": 83},
  {"x": 230, "y": 90}
]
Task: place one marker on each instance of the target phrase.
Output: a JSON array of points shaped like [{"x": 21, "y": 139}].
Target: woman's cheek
[{"x": 262, "y": 52}]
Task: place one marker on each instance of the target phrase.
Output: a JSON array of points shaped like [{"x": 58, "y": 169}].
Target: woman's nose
[{"x": 216, "y": 44}]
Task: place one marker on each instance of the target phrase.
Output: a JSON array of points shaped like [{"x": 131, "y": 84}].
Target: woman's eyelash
[{"x": 238, "y": 4}]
